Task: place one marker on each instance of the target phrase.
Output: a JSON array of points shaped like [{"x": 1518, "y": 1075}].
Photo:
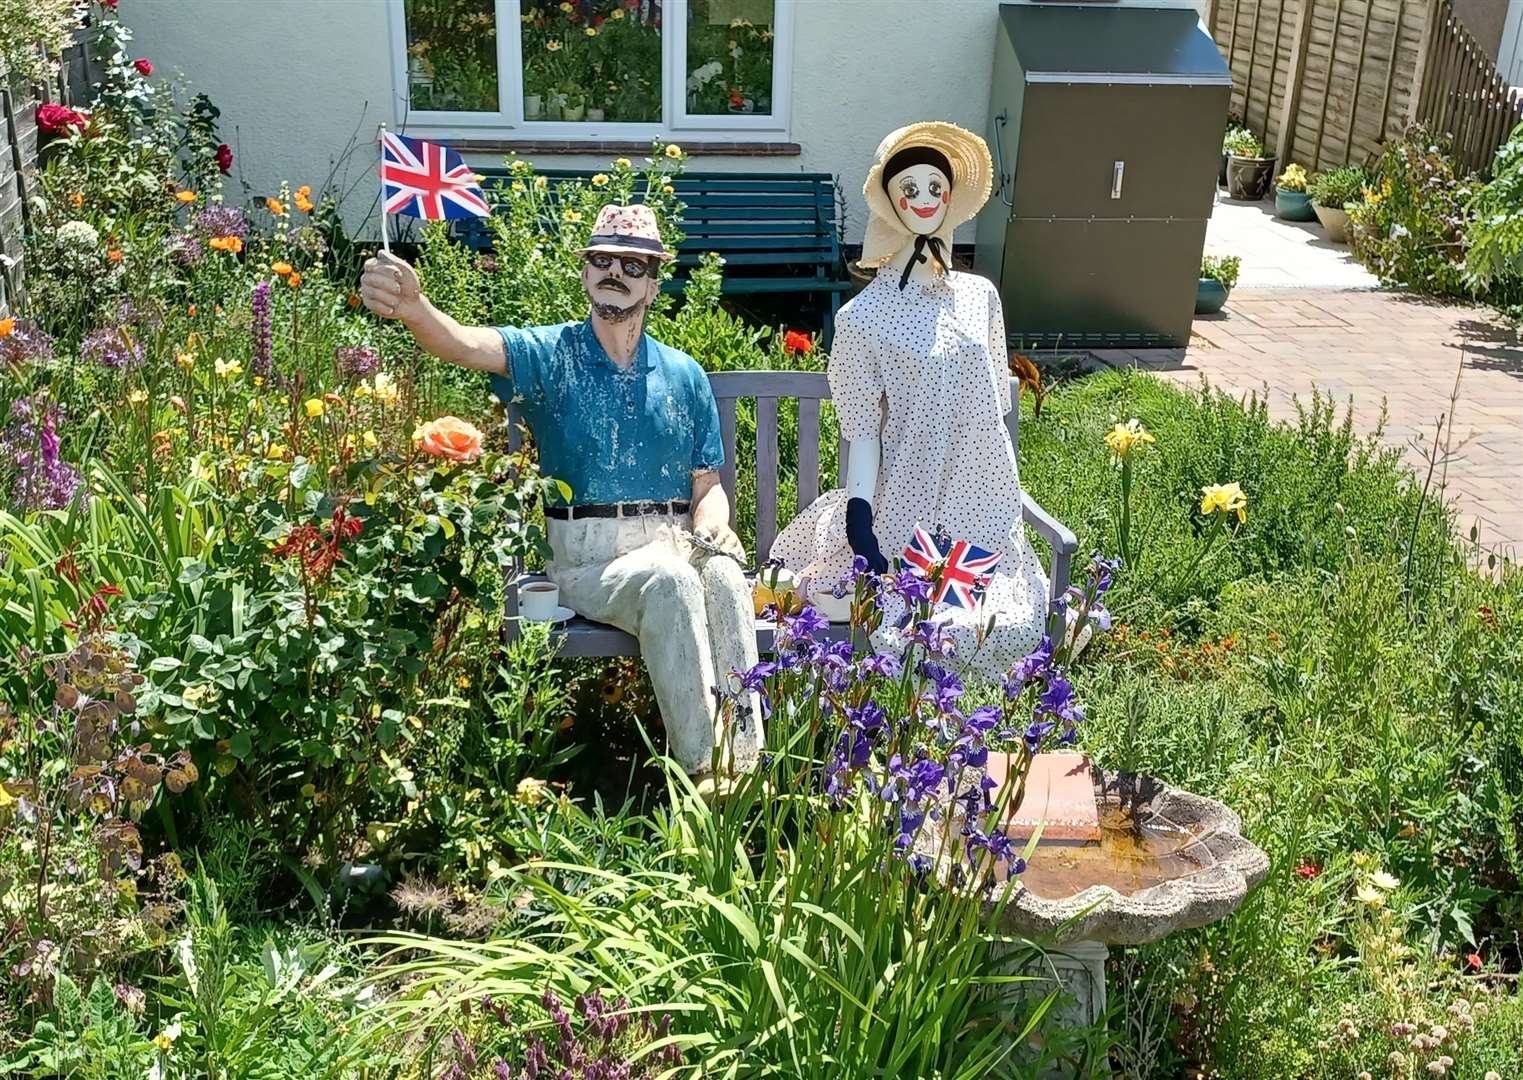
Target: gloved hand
[{"x": 859, "y": 534}]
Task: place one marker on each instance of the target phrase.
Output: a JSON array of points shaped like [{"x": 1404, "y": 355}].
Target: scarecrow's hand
[
  {"x": 859, "y": 534},
  {"x": 390, "y": 288}
]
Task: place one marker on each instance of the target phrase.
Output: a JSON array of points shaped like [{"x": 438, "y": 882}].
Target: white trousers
[{"x": 691, "y": 612}]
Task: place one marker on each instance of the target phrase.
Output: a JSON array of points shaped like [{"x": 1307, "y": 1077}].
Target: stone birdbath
[{"x": 1121, "y": 859}]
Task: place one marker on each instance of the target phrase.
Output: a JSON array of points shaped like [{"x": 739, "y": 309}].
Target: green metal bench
[{"x": 778, "y": 232}]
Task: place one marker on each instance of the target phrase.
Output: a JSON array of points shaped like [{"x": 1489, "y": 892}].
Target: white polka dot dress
[{"x": 925, "y": 370}]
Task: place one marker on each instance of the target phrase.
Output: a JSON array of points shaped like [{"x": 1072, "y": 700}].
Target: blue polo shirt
[{"x": 613, "y": 434}]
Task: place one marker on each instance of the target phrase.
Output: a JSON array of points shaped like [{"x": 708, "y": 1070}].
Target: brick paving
[{"x": 1375, "y": 346}]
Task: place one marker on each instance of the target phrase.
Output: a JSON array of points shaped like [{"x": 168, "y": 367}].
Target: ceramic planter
[
  {"x": 534, "y": 106},
  {"x": 1210, "y": 295},
  {"x": 1335, "y": 221},
  {"x": 573, "y": 113},
  {"x": 1248, "y": 177},
  {"x": 595, "y": 116},
  {"x": 1293, "y": 205}
]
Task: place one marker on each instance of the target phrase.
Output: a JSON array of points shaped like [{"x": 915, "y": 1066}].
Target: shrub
[{"x": 1336, "y": 188}]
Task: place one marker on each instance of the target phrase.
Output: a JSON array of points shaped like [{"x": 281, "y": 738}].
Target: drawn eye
[
  {"x": 935, "y": 188},
  {"x": 908, "y": 188}
]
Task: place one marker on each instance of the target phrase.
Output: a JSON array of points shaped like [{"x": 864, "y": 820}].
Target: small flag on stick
[
  {"x": 965, "y": 569},
  {"x": 426, "y": 180}
]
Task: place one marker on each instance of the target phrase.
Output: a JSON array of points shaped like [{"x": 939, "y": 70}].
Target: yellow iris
[
  {"x": 1124, "y": 438},
  {"x": 1224, "y": 499}
]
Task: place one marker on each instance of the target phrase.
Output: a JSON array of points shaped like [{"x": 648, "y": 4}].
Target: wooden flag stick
[{"x": 385, "y": 233}]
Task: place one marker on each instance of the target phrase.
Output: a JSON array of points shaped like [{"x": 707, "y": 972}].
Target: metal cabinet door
[
  {"x": 1072, "y": 134},
  {"x": 1101, "y": 283}
]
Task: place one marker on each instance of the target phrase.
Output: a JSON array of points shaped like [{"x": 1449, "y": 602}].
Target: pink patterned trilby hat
[{"x": 627, "y": 230}]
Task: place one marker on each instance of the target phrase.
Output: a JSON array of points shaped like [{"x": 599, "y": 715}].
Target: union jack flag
[
  {"x": 965, "y": 569},
  {"x": 428, "y": 181}
]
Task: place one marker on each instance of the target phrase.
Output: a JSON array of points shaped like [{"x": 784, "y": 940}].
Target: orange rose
[{"x": 449, "y": 437}]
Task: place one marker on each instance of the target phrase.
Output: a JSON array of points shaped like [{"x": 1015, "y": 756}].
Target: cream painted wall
[{"x": 297, "y": 79}]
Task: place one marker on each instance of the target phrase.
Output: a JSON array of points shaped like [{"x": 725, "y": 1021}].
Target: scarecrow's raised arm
[{"x": 390, "y": 288}]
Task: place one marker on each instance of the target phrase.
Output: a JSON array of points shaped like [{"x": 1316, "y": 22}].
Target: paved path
[
  {"x": 1292, "y": 254},
  {"x": 1374, "y": 346}
]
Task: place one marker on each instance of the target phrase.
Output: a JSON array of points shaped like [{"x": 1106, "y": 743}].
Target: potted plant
[
  {"x": 1218, "y": 273},
  {"x": 573, "y": 105},
  {"x": 1249, "y": 168},
  {"x": 1233, "y": 124},
  {"x": 1331, "y": 192},
  {"x": 1291, "y": 202}
]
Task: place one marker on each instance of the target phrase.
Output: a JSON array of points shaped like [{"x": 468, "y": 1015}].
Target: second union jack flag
[
  {"x": 428, "y": 181},
  {"x": 965, "y": 569}
]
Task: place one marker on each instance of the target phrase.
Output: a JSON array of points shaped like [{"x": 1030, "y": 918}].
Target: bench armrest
[{"x": 1061, "y": 539}]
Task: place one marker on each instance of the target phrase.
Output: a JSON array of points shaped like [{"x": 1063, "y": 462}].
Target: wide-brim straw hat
[
  {"x": 972, "y": 175},
  {"x": 627, "y": 230}
]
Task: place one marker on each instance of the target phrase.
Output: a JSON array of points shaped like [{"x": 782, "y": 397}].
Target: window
[{"x": 572, "y": 69}]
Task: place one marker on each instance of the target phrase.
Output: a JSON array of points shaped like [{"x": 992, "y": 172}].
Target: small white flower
[
  {"x": 78, "y": 234},
  {"x": 1399, "y": 231}
]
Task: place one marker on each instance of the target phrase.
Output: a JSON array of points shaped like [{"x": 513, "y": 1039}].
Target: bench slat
[
  {"x": 773, "y": 384},
  {"x": 727, "y": 243},
  {"x": 768, "y": 258},
  {"x": 809, "y": 455},
  {"x": 766, "y": 474},
  {"x": 694, "y": 231},
  {"x": 727, "y": 432}
]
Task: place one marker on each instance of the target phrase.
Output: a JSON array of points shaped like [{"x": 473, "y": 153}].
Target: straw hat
[
  {"x": 627, "y": 230},
  {"x": 972, "y": 171}
]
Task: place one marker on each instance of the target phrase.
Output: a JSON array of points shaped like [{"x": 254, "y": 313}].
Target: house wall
[
  {"x": 298, "y": 81},
  {"x": 1485, "y": 19}
]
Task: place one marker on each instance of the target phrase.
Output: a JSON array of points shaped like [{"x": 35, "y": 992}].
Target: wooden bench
[
  {"x": 582, "y": 637},
  {"x": 778, "y": 232}
]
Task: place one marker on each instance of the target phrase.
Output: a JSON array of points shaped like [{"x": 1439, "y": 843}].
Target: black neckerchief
[{"x": 922, "y": 241}]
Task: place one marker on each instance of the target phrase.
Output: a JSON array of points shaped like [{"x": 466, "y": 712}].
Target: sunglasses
[{"x": 632, "y": 265}]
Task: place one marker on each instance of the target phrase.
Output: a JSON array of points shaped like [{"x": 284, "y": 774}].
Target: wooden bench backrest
[
  {"x": 752, "y": 219},
  {"x": 809, "y": 388}
]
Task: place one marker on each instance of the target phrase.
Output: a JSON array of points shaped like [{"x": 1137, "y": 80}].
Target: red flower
[
  {"x": 1474, "y": 961},
  {"x": 108, "y": 3},
  {"x": 797, "y": 341},
  {"x": 597, "y": 20},
  {"x": 144, "y": 68},
  {"x": 225, "y": 158},
  {"x": 55, "y": 119},
  {"x": 1307, "y": 871}
]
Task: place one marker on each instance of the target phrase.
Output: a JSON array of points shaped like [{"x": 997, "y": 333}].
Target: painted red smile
[{"x": 926, "y": 211}]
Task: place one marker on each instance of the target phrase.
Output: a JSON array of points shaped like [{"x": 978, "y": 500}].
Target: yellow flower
[
  {"x": 599, "y": 180},
  {"x": 371, "y": 442},
  {"x": 275, "y": 206},
  {"x": 530, "y": 792},
  {"x": 591, "y": 31},
  {"x": 566, "y": 6},
  {"x": 540, "y": 183},
  {"x": 1384, "y": 881},
  {"x": 668, "y": 189},
  {"x": 1224, "y": 499},
  {"x": 315, "y": 407},
  {"x": 553, "y": 46},
  {"x": 616, "y": 13},
  {"x": 186, "y": 360},
  {"x": 275, "y": 451},
  {"x": 517, "y": 187},
  {"x": 229, "y": 369},
  {"x": 137, "y": 397},
  {"x": 730, "y": 44},
  {"x": 573, "y": 216},
  {"x": 673, "y": 151},
  {"x": 519, "y": 167},
  {"x": 385, "y": 389},
  {"x": 185, "y": 196},
  {"x": 622, "y": 162},
  {"x": 166, "y": 1038},
  {"x": 1124, "y": 438},
  {"x": 1368, "y": 894}
]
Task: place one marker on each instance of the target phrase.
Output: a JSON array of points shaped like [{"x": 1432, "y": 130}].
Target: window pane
[
  {"x": 592, "y": 60},
  {"x": 729, "y": 57},
  {"x": 452, "y": 55}
]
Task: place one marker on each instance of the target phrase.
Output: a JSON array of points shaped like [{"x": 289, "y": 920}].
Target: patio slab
[
  {"x": 1282, "y": 254},
  {"x": 1373, "y": 347}
]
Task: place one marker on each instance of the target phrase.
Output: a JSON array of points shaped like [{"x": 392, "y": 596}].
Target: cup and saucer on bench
[{"x": 540, "y": 601}]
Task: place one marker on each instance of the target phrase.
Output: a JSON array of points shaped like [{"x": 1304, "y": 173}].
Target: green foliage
[
  {"x": 1494, "y": 237},
  {"x": 1336, "y": 188},
  {"x": 1222, "y": 268}
]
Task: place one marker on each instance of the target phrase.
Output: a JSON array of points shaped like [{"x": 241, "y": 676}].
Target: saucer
[{"x": 562, "y": 613}]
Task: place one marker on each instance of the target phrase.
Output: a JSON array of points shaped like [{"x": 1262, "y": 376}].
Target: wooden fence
[
  {"x": 1326, "y": 82},
  {"x": 18, "y": 157}
]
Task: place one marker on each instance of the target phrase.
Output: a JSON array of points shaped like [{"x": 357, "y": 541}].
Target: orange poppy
[
  {"x": 282, "y": 268},
  {"x": 304, "y": 199},
  {"x": 294, "y": 280},
  {"x": 7, "y": 326},
  {"x": 115, "y": 255},
  {"x": 185, "y": 196},
  {"x": 226, "y": 243},
  {"x": 276, "y": 207}
]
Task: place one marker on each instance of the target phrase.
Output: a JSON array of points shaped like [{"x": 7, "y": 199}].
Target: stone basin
[{"x": 1166, "y": 860}]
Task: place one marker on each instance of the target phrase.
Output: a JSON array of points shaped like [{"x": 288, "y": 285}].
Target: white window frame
[{"x": 508, "y": 119}]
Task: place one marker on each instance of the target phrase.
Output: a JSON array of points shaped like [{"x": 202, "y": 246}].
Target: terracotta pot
[
  {"x": 1334, "y": 221},
  {"x": 1248, "y": 177}
]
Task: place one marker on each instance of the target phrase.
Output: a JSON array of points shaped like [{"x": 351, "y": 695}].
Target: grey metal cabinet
[{"x": 1106, "y": 124}]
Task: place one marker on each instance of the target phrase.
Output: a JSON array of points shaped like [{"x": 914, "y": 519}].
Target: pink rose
[{"x": 144, "y": 68}]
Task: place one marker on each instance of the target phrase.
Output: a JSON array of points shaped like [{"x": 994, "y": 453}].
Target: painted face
[
  {"x": 616, "y": 294},
  {"x": 920, "y": 194}
]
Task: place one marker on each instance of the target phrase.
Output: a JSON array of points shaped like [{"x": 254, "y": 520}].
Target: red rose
[
  {"x": 225, "y": 158},
  {"x": 108, "y": 3},
  {"x": 55, "y": 119},
  {"x": 796, "y": 341},
  {"x": 144, "y": 68}
]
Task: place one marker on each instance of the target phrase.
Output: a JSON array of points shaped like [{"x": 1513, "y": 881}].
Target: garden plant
[{"x": 276, "y": 800}]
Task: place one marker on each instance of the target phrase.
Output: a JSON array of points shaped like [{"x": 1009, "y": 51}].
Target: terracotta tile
[{"x": 1060, "y": 797}]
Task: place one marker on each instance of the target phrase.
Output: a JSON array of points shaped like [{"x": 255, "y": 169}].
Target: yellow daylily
[
  {"x": 275, "y": 451},
  {"x": 1124, "y": 438},
  {"x": 1224, "y": 499},
  {"x": 315, "y": 407}
]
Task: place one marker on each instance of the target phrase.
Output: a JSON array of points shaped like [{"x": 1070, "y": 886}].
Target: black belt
[{"x": 616, "y": 510}]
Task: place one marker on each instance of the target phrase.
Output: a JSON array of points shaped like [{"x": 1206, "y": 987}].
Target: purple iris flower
[
  {"x": 910, "y": 820},
  {"x": 1100, "y": 615},
  {"x": 982, "y": 720},
  {"x": 882, "y": 664},
  {"x": 1030, "y": 667},
  {"x": 910, "y": 587},
  {"x": 946, "y": 687},
  {"x": 1058, "y": 695},
  {"x": 803, "y": 626},
  {"x": 934, "y": 637},
  {"x": 1035, "y": 732},
  {"x": 867, "y": 718}
]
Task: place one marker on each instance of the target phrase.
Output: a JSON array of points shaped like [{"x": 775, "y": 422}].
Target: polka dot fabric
[{"x": 924, "y": 370}]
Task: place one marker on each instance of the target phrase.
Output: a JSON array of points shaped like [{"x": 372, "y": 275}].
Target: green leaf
[
  {"x": 240, "y": 745},
  {"x": 164, "y": 663}
]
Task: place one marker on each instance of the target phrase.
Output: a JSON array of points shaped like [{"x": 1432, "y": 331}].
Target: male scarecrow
[{"x": 630, "y": 424}]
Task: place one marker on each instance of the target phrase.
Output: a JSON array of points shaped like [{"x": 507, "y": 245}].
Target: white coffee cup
[{"x": 538, "y": 601}]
